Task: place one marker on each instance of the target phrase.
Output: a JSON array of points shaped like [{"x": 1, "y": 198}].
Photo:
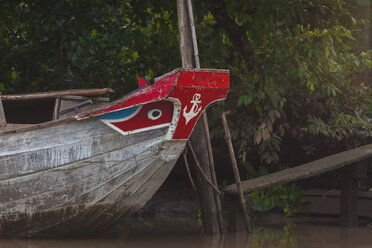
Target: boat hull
[
  {"x": 51, "y": 194},
  {"x": 81, "y": 173}
]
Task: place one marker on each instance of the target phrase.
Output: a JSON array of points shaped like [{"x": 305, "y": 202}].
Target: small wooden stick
[
  {"x": 217, "y": 198},
  {"x": 188, "y": 170},
  {"x": 236, "y": 172},
  {"x": 2, "y": 115},
  {"x": 201, "y": 170}
]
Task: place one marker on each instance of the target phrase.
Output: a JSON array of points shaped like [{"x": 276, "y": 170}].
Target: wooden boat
[{"x": 82, "y": 172}]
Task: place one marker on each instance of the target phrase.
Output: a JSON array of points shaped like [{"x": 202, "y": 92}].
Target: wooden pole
[
  {"x": 217, "y": 198},
  {"x": 205, "y": 192},
  {"x": 236, "y": 172},
  {"x": 2, "y": 115},
  {"x": 185, "y": 34},
  {"x": 193, "y": 34},
  {"x": 349, "y": 197}
]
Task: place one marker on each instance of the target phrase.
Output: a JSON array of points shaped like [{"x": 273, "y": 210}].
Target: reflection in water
[{"x": 288, "y": 236}]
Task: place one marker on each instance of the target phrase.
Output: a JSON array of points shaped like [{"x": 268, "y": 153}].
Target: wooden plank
[
  {"x": 127, "y": 192},
  {"x": 54, "y": 94},
  {"x": 328, "y": 202},
  {"x": 78, "y": 176},
  {"x": 307, "y": 170},
  {"x": 2, "y": 115},
  {"x": 61, "y": 144}
]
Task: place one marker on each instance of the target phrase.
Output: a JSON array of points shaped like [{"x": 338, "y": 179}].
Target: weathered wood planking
[
  {"x": 121, "y": 173},
  {"x": 43, "y": 149},
  {"x": 307, "y": 170},
  {"x": 75, "y": 180},
  {"x": 125, "y": 198},
  {"x": 84, "y": 218}
]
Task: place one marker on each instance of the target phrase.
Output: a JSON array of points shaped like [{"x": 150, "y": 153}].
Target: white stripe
[{"x": 134, "y": 131}]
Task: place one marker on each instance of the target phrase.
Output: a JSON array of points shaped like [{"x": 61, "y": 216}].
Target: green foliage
[
  {"x": 198, "y": 221},
  {"x": 284, "y": 197},
  {"x": 304, "y": 88},
  {"x": 80, "y": 44}
]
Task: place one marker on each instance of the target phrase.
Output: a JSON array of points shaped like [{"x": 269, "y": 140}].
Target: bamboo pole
[
  {"x": 236, "y": 172},
  {"x": 193, "y": 34}
]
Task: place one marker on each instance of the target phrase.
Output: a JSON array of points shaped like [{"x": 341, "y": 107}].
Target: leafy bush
[{"x": 284, "y": 197}]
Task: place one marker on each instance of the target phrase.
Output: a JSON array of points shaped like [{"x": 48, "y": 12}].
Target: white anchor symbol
[{"x": 194, "y": 109}]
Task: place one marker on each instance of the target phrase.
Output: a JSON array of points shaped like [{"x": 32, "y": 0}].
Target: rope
[
  {"x": 188, "y": 170},
  {"x": 201, "y": 170}
]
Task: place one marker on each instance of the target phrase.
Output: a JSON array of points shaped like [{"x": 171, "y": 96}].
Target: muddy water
[
  {"x": 270, "y": 232},
  {"x": 171, "y": 220}
]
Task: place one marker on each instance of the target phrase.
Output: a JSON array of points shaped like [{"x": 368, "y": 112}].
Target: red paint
[
  {"x": 141, "y": 120},
  {"x": 159, "y": 91},
  {"x": 142, "y": 83},
  {"x": 212, "y": 86},
  {"x": 184, "y": 85},
  {"x": 208, "y": 96}
]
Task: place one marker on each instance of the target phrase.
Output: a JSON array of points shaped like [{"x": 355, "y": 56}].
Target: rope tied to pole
[{"x": 201, "y": 170}]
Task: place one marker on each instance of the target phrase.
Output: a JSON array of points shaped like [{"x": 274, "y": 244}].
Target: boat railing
[{"x": 21, "y": 110}]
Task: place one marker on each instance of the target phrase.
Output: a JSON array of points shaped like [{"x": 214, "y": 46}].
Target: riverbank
[{"x": 174, "y": 210}]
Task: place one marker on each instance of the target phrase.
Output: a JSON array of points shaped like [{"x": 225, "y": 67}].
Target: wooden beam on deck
[{"x": 54, "y": 94}]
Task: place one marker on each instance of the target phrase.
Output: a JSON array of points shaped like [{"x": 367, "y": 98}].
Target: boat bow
[{"x": 176, "y": 99}]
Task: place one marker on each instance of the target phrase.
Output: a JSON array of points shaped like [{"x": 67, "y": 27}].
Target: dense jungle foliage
[{"x": 300, "y": 70}]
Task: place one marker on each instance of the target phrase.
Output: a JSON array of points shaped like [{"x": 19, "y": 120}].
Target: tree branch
[{"x": 236, "y": 32}]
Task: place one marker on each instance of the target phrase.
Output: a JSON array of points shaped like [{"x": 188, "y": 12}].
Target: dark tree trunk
[{"x": 237, "y": 33}]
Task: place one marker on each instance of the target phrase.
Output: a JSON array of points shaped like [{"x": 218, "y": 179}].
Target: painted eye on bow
[{"x": 154, "y": 114}]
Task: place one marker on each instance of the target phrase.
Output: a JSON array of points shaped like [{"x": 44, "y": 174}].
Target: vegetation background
[{"x": 300, "y": 70}]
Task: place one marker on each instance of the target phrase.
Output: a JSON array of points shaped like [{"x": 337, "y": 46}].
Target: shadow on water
[
  {"x": 289, "y": 235},
  {"x": 173, "y": 223}
]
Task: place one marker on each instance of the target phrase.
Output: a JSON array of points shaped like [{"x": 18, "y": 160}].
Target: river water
[
  {"x": 291, "y": 236},
  {"x": 171, "y": 220},
  {"x": 271, "y": 231}
]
